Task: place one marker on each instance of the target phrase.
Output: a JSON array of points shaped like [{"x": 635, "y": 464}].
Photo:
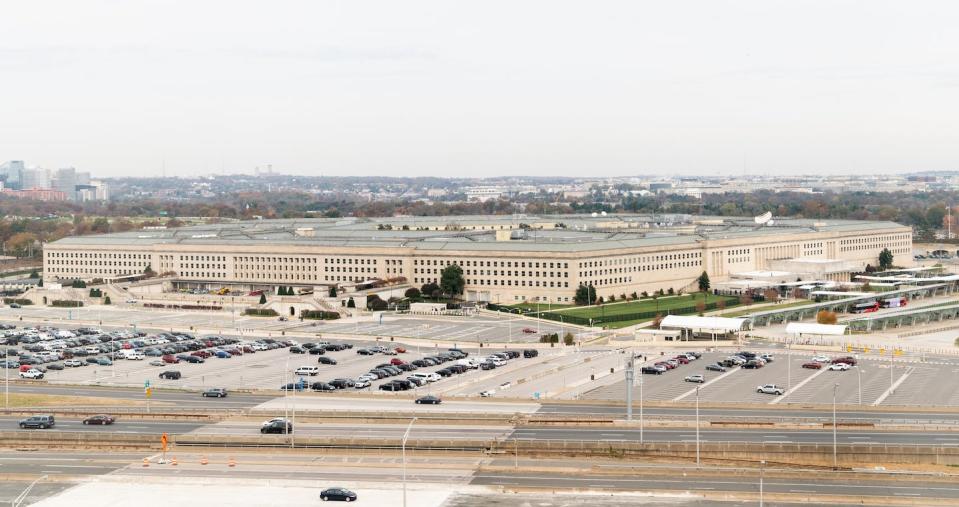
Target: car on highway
[
  {"x": 429, "y": 399},
  {"x": 697, "y": 378},
  {"x": 812, "y": 365},
  {"x": 715, "y": 367},
  {"x": 487, "y": 393},
  {"x": 340, "y": 494},
  {"x": 215, "y": 392},
  {"x": 99, "y": 419},
  {"x": 277, "y": 426},
  {"x": 839, "y": 367},
  {"x": 821, "y": 359},
  {"x": 271, "y": 421},
  {"x": 171, "y": 375},
  {"x": 651, "y": 370},
  {"x": 38, "y": 421},
  {"x": 529, "y": 330},
  {"x": 771, "y": 389}
]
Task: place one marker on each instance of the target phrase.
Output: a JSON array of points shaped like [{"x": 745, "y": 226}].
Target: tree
[
  {"x": 333, "y": 291},
  {"x": 452, "y": 281},
  {"x": 885, "y": 259},
  {"x": 612, "y": 297},
  {"x": 634, "y": 295},
  {"x": 21, "y": 243},
  {"x": 148, "y": 272},
  {"x": 568, "y": 339},
  {"x": 703, "y": 283},
  {"x": 700, "y": 307},
  {"x": 412, "y": 293},
  {"x": 351, "y": 303},
  {"x": 262, "y": 298},
  {"x": 826, "y": 317},
  {"x": 429, "y": 288},
  {"x": 657, "y": 321},
  {"x": 745, "y": 300},
  {"x": 34, "y": 274},
  {"x": 107, "y": 301},
  {"x": 585, "y": 294},
  {"x": 771, "y": 295}
]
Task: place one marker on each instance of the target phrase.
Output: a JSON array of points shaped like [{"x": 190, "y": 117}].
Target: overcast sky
[{"x": 476, "y": 88}]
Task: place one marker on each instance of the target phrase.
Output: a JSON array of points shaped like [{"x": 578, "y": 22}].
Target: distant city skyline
[{"x": 537, "y": 88}]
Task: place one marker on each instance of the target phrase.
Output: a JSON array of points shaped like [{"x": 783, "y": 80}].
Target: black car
[
  {"x": 650, "y": 370},
  {"x": 193, "y": 359},
  {"x": 281, "y": 427},
  {"x": 488, "y": 365},
  {"x": 341, "y": 494},
  {"x": 322, "y": 386},
  {"x": 171, "y": 375},
  {"x": 419, "y": 363},
  {"x": 342, "y": 383},
  {"x": 444, "y": 372},
  {"x": 715, "y": 367},
  {"x": 428, "y": 400},
  {"x": 297, "y": 350},
  {"x": 325, "y": 360},
  {"x": 365, "y": 352},
  {"x": 530, "y": 353},
  {"x": 215, "y": 392},
  {"x": 317, "y": 351},
  {"x": 55, "y": 366},
  {"x": 38, "y": 421}
]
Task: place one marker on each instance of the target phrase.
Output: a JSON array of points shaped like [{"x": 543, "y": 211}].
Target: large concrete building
[{"x": 505, "y": 259}]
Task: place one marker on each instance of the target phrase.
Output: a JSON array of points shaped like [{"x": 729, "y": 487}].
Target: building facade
[{"x": 505, "y": 259}]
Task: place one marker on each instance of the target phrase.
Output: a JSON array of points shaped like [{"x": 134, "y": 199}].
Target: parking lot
[
  {"x": 468, "y": 329},
  {"x": 896, "y": 382},
  {"x": 273, "y": 369}
]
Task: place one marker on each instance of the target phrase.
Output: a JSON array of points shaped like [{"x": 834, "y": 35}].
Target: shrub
[
  {"x": 107, "y": 301},
  {"x": 351, "y": 303},
  {"x": 826, "y": 317},
  {"x": 412, "y": 293},
  {"x": 635, "y": 296},
  {"x": 568, "y": 339},
  {"x": 319, "y": 315},
  {"x": 19, "y": 301},
  {"x": 671, "y": 291},
  {"x": 260, "y": 312},
  {"x": 262, "y": 299},
  {"x": 66, "y": 303}
]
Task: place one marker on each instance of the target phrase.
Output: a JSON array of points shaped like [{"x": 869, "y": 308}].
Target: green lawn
[
  {"x": 765, "y": 308},
  {"x": 542, "y": 307},
  {"x": 644, "y": 305}
]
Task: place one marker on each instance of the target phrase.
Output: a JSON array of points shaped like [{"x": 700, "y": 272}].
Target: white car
[
  {"x": 771, "y": 389},
  {"x": 157, "y": 362},
  {"x": 821, "y": 359},
  {"x": 361, "y": 383},
  {"x": 839, "y": 367},
  {"x": 487, "y": 393},
  {"x": 389, "y": 352},
  {"x": 73, "y": 363},
  {"x": 131, "y": 301},
  {"x": 697, "y": 378},
  {"x": 32, "y": 373}
]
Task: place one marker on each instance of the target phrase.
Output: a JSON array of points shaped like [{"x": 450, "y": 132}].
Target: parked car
[
  {"x": 170, "y": 359},
  {"x": 771, "y": 389},
  {"x": 812, "y": 365},
  {"x": 32, "y": 373},
  {"x": 487, "y": 393},
  {"x": 322, "y": 387},
  {"x": 651, "y": 370},
  {"x": 73, "y": 363},
  {"x": 715, "y": 367},
  {"x": 342, "y": 383},
  {"x": 38, "y": 421},
  {"x": 215, "y": 392},
  {"x": 325, "y": 360},
  {"x": 171, "y": 375},
  {"x": 341, "y": 494},
  {"x": 851, "y": 361},
  {"x": 157, "y": 362},
  {"x": 297, "y": 350},
  {"x": 362, "y": 384},
  {"x": 833, "y": 367},
  {"x": 821, "y": 359},
  {"x": 528, "y": 353},
  {"x": 697, "y": 378},
  {"x": 99, "y": 419},
  {"x": 428, "y": 400}
]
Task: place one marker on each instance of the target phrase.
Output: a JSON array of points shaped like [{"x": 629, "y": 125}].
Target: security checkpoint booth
[{"x": 693, "y": 327}]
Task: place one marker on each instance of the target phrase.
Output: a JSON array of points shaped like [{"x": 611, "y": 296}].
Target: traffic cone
[
  {"x": 146, "y": 462},
  {"x": 232, "y": 462},
  {"x": 203, "y": 461},
  {"x": 173, "y": 461}
]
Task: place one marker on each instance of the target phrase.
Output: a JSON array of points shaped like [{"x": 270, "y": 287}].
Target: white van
[
  {"x": 469, "y": 363},
  {"x": 132, "y": 354},
  {"x": 428, "y": 377},
  {"x": 308, "y": 370}
]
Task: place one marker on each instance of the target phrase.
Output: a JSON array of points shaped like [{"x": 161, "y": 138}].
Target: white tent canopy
[
  {"x": 799, "y": 328},
  {"x": 722, "y": 324}
]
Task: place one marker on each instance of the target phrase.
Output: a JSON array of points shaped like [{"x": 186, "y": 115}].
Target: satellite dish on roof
[{"x": 764, "y": 218}]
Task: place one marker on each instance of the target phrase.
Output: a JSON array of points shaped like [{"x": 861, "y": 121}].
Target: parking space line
[
  {"x": 702, "y": 386},
  {"x": 882, "y": 397},
  {"x": 799, "y": 385}
]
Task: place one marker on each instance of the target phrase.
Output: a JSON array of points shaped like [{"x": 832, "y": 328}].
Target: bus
[
  {"x": 896, "y": 302},
  {"x": 865, "y": 307}
]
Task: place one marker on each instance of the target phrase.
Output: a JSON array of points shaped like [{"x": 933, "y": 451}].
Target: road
[
  {"x": 178, "y": 399},
  {"x": 738, "y": 435}
]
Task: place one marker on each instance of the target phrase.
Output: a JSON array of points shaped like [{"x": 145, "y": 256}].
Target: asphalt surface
[
  {"x": 120, "y": 426},
  {"x": 770, "y": 435},
  {"x": 178, "y": 399},
  {"x": 891, "y": 487}
]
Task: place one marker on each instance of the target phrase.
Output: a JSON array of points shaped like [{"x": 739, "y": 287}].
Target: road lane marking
[
  {"x": 798, "y": 386},
  {"x": 882, "y": 397},
  {"x": 704, "y": 384}
]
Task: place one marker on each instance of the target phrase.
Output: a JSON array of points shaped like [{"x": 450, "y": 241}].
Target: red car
[
  {"x": 682, "y": 359},
  {"x": 400, "y": 350},
  {"x": 848, "y": 360},
  {"x": 127, "y": 346},
  {"x": 248, "y": 350},
  {"x": 396, "y": 361},
  {"x": 170, "y": 359},
  {"x": 99, "y": 419},
  {"x": 812, "y": 365},
  {"x": 529, "y": 330},
  {"x": 665, "y": 365},
  {"x": 201, "y": 353}
]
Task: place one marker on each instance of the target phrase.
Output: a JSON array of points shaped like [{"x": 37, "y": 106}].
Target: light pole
[
  {"x": 697, "y": 425},
  {"x": 641, "y": 424},
  {"x": 835, "y": 461},
  {"x": 762, "y": 468},
  {"x": 406, "y": 436},
  {"x": 789, "y": 368},
  {"x": 859, "y": 372},
  {"x": 630, "y": 375}
]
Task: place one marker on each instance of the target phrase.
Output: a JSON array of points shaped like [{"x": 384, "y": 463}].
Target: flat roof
[{"x": 560, "y": 233}]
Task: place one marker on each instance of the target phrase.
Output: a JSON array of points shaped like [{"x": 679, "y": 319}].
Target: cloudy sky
[{"x": 124, "y": 87}]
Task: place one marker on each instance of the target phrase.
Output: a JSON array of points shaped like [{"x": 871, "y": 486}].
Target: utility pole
[
  {"x": 630, "y": 374},
  {"x": 697, "y": 425},
  {"x": 835, "y": 460}
]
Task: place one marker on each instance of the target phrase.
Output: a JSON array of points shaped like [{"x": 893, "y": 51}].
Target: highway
[
  {"x": 427, "y": 431},
  {"x": 179, "y": 399}
]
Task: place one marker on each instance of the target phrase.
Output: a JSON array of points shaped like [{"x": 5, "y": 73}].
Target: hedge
[
  {"x": 260, "y": 312},
  {"x": 66, "y": 303},
  {"x": 8, "y": 301},
  {"x": 319, "y": 315}
]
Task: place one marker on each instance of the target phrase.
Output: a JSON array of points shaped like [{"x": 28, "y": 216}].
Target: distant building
[
  {"x": 36, "y": 194},
  {"x": 11, "y": 173}
]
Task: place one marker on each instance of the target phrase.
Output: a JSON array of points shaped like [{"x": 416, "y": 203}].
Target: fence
[{"x": 566, "y": 318}]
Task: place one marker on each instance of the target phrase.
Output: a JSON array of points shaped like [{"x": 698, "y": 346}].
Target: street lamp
[
  {"x": 697, "y": 425},
  {"x": 641, "y": 425},
  {"x": 406, "y": 436},
  {"x": 762, "y": 467},
  {"x": 859, "y": 372},
  {"x": 835, "y": 461}
]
